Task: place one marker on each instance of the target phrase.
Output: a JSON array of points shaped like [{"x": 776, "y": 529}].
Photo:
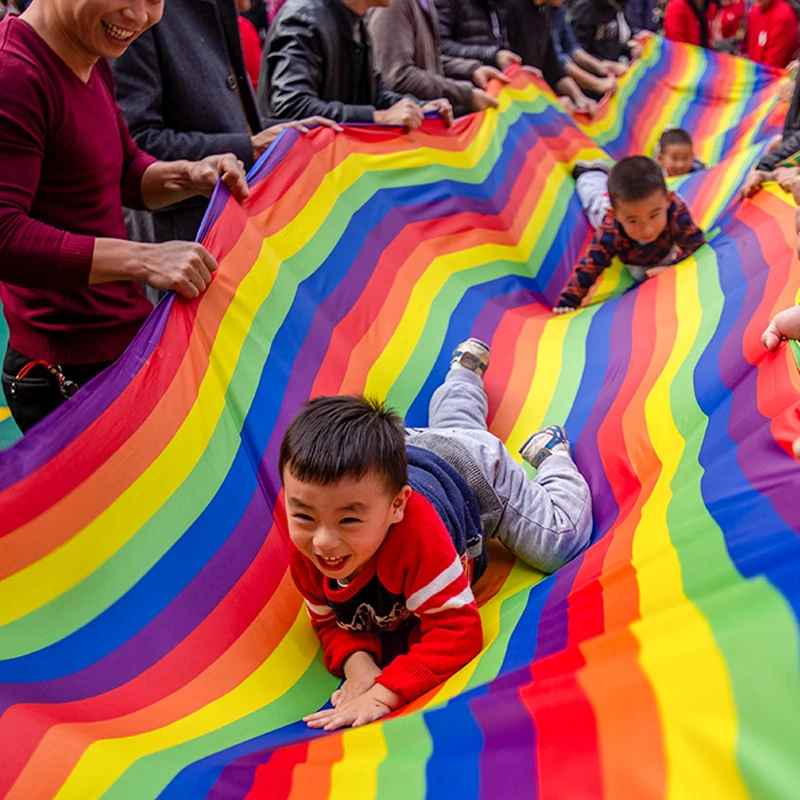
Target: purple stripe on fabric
[
  {"x": 492, "y": 313},
  {"x": 759, "y": 456},
  {"x": 71, "y": 419},
  {"x": 507, "y": 759},
  {"x": 554, "y": 621},
  {"x": 170, "y": 627}
]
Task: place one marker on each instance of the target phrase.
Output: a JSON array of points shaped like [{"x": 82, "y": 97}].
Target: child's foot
[
  {"x": 596, "y": 165},
  {"x": 472, "y": 355},
  {"x": 546, "y": 442}
]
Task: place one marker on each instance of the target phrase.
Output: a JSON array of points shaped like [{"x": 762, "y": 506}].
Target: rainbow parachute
[{"x": 151, "y": 641}]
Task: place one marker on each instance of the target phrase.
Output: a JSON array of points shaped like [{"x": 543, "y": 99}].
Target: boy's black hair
[
  {"x": 345, "y": 436},
  {"x": 635, "y": 178},
  {"x": 674, "y": 136}
]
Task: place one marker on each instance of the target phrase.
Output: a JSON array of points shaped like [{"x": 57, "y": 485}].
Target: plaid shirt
[{"x": 679, "y": 239}]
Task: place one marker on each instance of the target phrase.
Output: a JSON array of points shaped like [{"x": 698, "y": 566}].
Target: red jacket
[
  {"x": 681, "y": 23},
  {"x": 771, "y": 36},
  {"x": 729, "y": 19},
  {"x": 251, "y": 49},
  {"x": 418, "y": 569}
]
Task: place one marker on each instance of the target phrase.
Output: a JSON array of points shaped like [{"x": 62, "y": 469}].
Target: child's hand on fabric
[
  {"x": 360, "y": 671},
  {"x": 370, "y": 706},
  {"x": 784, "y": 325},
  {"x": 653, "y": 271}
]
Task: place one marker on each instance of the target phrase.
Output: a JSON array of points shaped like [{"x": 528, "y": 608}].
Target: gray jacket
[{"x": 184, "y": 92}]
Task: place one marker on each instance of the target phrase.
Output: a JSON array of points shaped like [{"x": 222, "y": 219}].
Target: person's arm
[
  {"x": 786, "y": 149},
  {"x": 421, "y": 564},
  {"x": 784, "y": 325},
  {"x": 688, "y": 236},
  {"x": 139, "y": 93},
  {"x": 675, "y": 23},
  {"x": 589, "y": 62},
  {"x": 589, "y": 268},
  {"x": 295, "y": 68},
  {"x": 448, "y": 13},
  {"x": 338, "y": 644}
]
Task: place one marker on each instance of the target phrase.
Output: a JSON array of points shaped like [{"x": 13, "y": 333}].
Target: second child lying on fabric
[
  {"x": 635, "y": 218},
  {"x": 388, "y": 528}
]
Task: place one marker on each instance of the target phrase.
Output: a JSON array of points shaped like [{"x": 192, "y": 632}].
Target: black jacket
[
  {"x": 472, "y": 28},
  {"x": 530, "y": 36},
  {"x": 791, "y": 136},
  {"x": 184, "y": 92},
  {"x": 594, "y": 23},
  {"x": 318, "y": 60}
]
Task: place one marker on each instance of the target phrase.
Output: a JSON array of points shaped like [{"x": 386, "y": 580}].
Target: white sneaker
[
  {"x": 472, "y": 355},
  {"x": 544, "y": 443}
]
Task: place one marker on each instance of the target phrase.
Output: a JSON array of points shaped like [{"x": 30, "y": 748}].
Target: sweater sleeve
[
  {"x": 688, "y": 236},
  {"x": 788, "y": 147},
  {"x": 139, "y": 93},
  {"x": 337, "y": 644},
  {"x": 32, "y": 254},
  {"x": 392, "y": 33},
  {"x": 421, "y": 562},
  {"x": 598, "y": 258}
]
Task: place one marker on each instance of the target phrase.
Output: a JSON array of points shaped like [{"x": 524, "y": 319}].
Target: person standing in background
[
  {"x": 771, "y": 33},
  {"x": 184, "y": 91},
  {"x": 251, "y": 42}
]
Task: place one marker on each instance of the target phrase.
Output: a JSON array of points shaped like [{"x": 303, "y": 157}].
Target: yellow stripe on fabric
[
  {"x": 545, "y": 380},
  {"x": 103, "y": 763},
  {"x": 64, "y": 568},
  {"x": 686, "y": 672},
  {"x": 355, "y": 777},
  {"x": 391, "y": 362}
]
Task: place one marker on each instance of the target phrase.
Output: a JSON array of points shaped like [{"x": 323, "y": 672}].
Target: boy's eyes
[
  {"x": 302, "y": 517},
  {"x": 349, "y": 521}
]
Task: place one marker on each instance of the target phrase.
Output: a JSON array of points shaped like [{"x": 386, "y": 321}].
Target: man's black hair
[
  {"x": 345, "y": 436},
  {"x": 635, "y": 178},
  {"x": 674, "y": 136}
]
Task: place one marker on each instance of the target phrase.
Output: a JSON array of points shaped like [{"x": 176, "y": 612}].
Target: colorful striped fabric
[{"x": 151, "y": 641}]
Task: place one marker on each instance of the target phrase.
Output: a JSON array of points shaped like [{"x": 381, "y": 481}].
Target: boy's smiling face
[
  {"x": 340, "y": 526},
  {"x": 644, "y": 220}
]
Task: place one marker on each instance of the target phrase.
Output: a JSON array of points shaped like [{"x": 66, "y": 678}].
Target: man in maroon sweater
[{"x": 69, "y": 282}]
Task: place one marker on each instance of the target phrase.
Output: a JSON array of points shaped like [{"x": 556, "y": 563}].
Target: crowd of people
[{"x": 147, "y": 104}]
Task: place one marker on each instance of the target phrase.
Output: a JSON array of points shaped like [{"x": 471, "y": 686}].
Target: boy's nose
[{"x": 325, "y": 539}]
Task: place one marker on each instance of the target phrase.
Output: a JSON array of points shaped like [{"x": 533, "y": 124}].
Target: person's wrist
[
  {"x": 359, "y": 664},
  {"x": 385, "y": 696}
]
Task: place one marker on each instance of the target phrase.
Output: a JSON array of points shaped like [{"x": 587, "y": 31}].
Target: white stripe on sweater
[
  {"x": 459, "y": 601},
  {"x": 440, "y": 582},
  {"x": 320, "y": 611}
]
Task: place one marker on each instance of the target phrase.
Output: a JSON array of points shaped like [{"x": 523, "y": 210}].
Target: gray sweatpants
[{"x": 546, "y": 521}]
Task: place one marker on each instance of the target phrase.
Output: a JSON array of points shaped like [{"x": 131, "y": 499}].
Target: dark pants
[{"x": 38, "y": 393}]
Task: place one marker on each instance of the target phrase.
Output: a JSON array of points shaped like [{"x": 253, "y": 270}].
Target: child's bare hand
[
  {"x": 351, "y": 689},
  {"x": 653, "y": 271},
  {"x": 785, "y": 325},
  {"x": 356, "y": 712}
]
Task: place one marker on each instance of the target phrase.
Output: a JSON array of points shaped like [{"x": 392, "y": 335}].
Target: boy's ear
[
  {"x": 399, "y": 503},
  {"x": 670, "y": 196},
  {"x": 660, "y": 158}
]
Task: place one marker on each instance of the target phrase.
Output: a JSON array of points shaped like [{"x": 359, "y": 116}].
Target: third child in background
[
  {"x": 675, "y": 153},
  {"x": 635, "y": 218}
]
